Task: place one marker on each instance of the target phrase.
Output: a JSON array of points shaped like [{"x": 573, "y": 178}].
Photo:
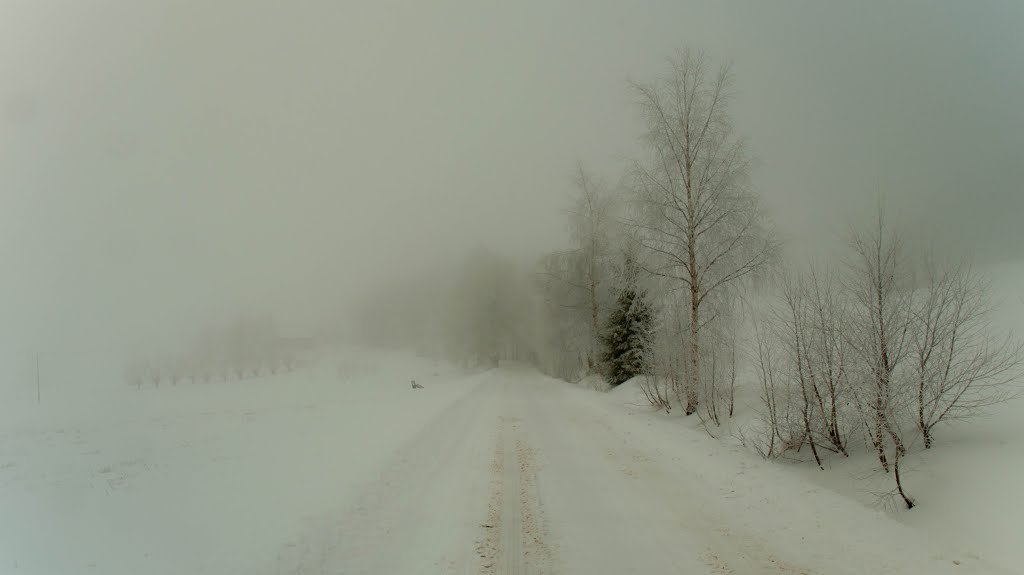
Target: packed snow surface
[{"x": 345, "y": 468}]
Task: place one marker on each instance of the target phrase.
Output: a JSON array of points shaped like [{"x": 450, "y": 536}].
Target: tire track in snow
[
  {"x": 511, "y": 551},
  {"x": 514, "y": 540},
  {"x": 489, "y": 542},
  {"x": 537, "y": 552}
]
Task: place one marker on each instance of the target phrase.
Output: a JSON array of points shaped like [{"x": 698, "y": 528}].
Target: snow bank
[
  {"x": 594, "y": 382},
  {"x": 967, "y": 486},
  {"x": 802, "y": 523},
  {"x": 630, "y": 390}
]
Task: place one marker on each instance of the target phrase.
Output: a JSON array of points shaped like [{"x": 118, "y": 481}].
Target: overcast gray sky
[{"x": 164, "y": 164}]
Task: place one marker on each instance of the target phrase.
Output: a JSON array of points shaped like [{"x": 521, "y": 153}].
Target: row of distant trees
[
  {"x": 477, "y": 314},
  {"x": 245, "y": 349}
]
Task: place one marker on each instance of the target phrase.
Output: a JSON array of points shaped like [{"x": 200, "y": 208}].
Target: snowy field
[
  {"x": 211, "y": 478},
  {"x": 343, "y": 468}
]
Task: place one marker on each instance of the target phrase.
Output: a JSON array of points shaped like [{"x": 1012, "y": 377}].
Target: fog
[{"x": 168, "y": 166}]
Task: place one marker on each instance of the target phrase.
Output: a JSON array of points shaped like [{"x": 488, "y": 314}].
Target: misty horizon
[{"x": 167, "y": 169}]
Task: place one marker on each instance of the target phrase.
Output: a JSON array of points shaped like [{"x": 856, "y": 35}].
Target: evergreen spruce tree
[{"x": 626, "y": 331}]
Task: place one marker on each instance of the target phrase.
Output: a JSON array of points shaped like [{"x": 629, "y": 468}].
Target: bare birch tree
[
  {"x": 803, "y": 365},
  {"x": 668, "y": 335},
  {"x": 828, "y": 354},
  {"x": 591, "y": 231},
  {"x": 961, "y": 363},
  {"x": 582, "y": 274},
  {"x": 879, "y": 281},
  {"x": 697, "y": 213}
]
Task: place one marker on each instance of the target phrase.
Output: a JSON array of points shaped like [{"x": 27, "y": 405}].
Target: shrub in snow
[{"x": 871, "y": 352}]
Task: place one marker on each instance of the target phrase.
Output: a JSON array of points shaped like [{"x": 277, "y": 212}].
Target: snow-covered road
[
  {"x": 500, "y": 472},
  {"x": 524, "y": 474}
]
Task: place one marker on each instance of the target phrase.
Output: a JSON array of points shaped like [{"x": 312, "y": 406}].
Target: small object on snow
[{"x": 416, "y": 385}]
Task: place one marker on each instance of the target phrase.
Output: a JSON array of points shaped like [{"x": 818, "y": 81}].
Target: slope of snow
[
  {"x": 968, "y": 485},
  {"x": 763, "y": 509},
  {"x": 594, "y": 382},
  {"x": 630, "y": 391},
  {"x": 971, "y": 485}
]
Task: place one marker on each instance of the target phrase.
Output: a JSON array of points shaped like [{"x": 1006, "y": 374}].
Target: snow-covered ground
[
  {"x": 343, "y": 468},
  {"x": 208, "y": 478},
  {"x": 967, "y": 487}
]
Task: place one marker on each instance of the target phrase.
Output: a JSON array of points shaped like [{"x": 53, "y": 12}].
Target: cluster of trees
[
  {"x": 247, "y": 348},
  {"x": 674, "y": 274},
  {"x": 578, "y": 285},
  {"x": 875, "y": 354},
  {"x": 884, "y": 349},
  {"x": 685, "y": 216}
]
